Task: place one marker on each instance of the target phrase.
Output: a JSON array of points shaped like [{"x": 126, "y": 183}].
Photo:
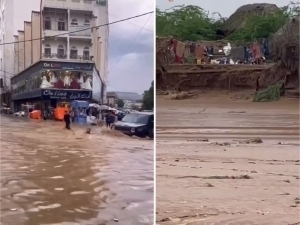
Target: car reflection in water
[{"x": 138, "y": 124}]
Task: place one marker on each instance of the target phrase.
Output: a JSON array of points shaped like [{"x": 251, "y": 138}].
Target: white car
[{"x": 20, "y": 114}]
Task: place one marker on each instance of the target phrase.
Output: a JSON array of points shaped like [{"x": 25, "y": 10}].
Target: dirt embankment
[{"x": 189, "y": 77}]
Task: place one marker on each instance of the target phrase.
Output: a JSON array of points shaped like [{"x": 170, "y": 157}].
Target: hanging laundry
[
  {"x": 265, "y": 47},
  {"x": 180, "y": 49},
  {"x": 227, "y": 49},
  {"x": 193, "y": 48},
  {"x": 250, "y": 53},
  {"x": 199, "y": 51},
  {"x": 187, "y": 51},
  {"x": 211, "y": 50},
  {"x": 256, "y": 51},
  {"x": 238, "y": 53},
  {"x": 178, "y": 59}
]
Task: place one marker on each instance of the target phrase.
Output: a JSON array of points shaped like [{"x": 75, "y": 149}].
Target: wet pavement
[{"x": 50, "y": 176}]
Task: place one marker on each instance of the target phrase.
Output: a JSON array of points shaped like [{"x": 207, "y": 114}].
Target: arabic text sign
[
  {"x": 48, "y": 94},
  {"x": 69, "y": 66}
]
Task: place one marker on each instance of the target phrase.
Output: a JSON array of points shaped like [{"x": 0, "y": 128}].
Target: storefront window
[
  {"x": 30, "y": 83},
  {"x": 64, "y": 79},
  {"x": 60, "y": 79}
]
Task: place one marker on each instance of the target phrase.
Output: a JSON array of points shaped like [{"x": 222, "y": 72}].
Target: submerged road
[{"x": 50, "y": 176}]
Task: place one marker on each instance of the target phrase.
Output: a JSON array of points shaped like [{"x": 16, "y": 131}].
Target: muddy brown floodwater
[
  {"x": 210, "y": 173},
  {"x": 50, "y": 176}
]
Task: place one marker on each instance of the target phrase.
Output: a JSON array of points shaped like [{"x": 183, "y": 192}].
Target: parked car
[
  {"x": 139, "y": 124},
  {"x": 121, "y": 115}
]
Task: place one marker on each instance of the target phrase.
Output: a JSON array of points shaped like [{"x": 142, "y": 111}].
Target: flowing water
[
  {"x": 218, "y": 175},
  {"x": 50, "y": 176}
]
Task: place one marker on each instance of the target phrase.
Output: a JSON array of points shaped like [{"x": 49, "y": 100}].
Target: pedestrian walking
[
  {"x": 108, "y": 119},
  {"x": 67, "y": 119}
]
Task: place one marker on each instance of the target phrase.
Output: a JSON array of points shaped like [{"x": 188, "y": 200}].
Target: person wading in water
[{"x": 67, "y": 119}]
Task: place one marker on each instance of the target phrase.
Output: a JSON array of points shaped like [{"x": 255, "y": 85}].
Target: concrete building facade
[
  {"x": 64, "y": 31},
  {"x": 13, "y": 13}
]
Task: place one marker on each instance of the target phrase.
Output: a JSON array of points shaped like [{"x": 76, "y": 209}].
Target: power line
[
  {"x": 71, "y": 32},
  {"x": 131, "y": 43},
  {"x": 129, "y": 22}
]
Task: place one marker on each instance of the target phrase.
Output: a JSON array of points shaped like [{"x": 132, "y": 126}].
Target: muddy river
[
  {"x": 50, "y": 176},
  {"x": 210, "y": 156}
]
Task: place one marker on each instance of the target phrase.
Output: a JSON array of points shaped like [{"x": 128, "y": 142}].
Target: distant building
[
  {"x": 112, "y": 98},
  {"x": 129, "y": 96},
  {"x": 13, "y": 13}
]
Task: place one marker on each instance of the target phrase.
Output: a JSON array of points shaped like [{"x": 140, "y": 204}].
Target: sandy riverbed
[{"x": 206, "y": 174}]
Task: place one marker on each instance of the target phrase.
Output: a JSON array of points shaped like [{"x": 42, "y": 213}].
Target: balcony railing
[
  {"x": 55, "y": 28},
  {"x": 54, "y": 55},
  {"x": 64, "y": 56},
  {"x": 80, "y": 30},
  {"x": 81, "y": 57}
]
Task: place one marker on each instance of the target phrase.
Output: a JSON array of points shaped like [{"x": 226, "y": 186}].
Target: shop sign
[
  {"x": 69, "y": 66},
  {"x": 48, "y": 94}
]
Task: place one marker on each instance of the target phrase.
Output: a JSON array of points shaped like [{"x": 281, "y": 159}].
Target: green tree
[
  {"x": 120, "y": 103},
  {"x": 148, "y": 98},
  {"x": 187, "y": 23},
  {"x": 193, "y": 23},
  {"x": 263, "y": 26}
]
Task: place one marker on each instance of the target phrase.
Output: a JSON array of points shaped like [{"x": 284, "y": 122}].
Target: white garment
[
  {"x": 81, "y": 81},
  {"x": 87, "y": 85},
  {"x": 53, "y": 79},
  {"x": 67, "y": 81},
  {"x": 227, "y": 49},
  {"x": 45, "y": 83}
]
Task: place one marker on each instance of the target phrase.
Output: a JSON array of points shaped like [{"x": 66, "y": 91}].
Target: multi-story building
[
  {"x": 13, "y": 13},
  {"x": 62, "y": 54}
]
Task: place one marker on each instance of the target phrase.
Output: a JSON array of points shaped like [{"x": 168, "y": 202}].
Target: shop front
[
  {"x": 49, "y": 83},
  {"x": 63, "y": 98}
]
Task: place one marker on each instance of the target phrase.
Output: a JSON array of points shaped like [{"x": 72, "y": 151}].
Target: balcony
[
  {"x": 50, "y": 33},
  {"x": 80, "y": 31},
  {"x": 55, "y": 22},
  {"x": 54, "y": 56},
  {"x": 80, "y": 57},
  {"x": 85, "y": 5}
]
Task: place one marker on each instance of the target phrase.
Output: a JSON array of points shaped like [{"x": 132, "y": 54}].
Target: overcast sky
[
  {"x": 225, "y": 8},
  {"x": 134, "y": 72}
]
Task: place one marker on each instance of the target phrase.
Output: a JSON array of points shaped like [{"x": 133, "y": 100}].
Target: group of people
[{"x": 109, "y": 117}]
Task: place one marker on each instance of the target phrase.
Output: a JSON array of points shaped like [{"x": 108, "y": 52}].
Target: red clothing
[
  {"x": 59, "y": 84},
  {"x": 178, "y": 59},
  {"x": 74, "y": 84}
]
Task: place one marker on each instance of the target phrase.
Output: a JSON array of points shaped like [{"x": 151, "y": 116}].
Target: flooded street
[
  {"x": 50, "y": 176},
  {"x": 210, "y": 156}
]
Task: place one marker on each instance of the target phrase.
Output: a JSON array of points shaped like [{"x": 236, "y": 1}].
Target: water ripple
[{"x": 49, "y": 176}]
